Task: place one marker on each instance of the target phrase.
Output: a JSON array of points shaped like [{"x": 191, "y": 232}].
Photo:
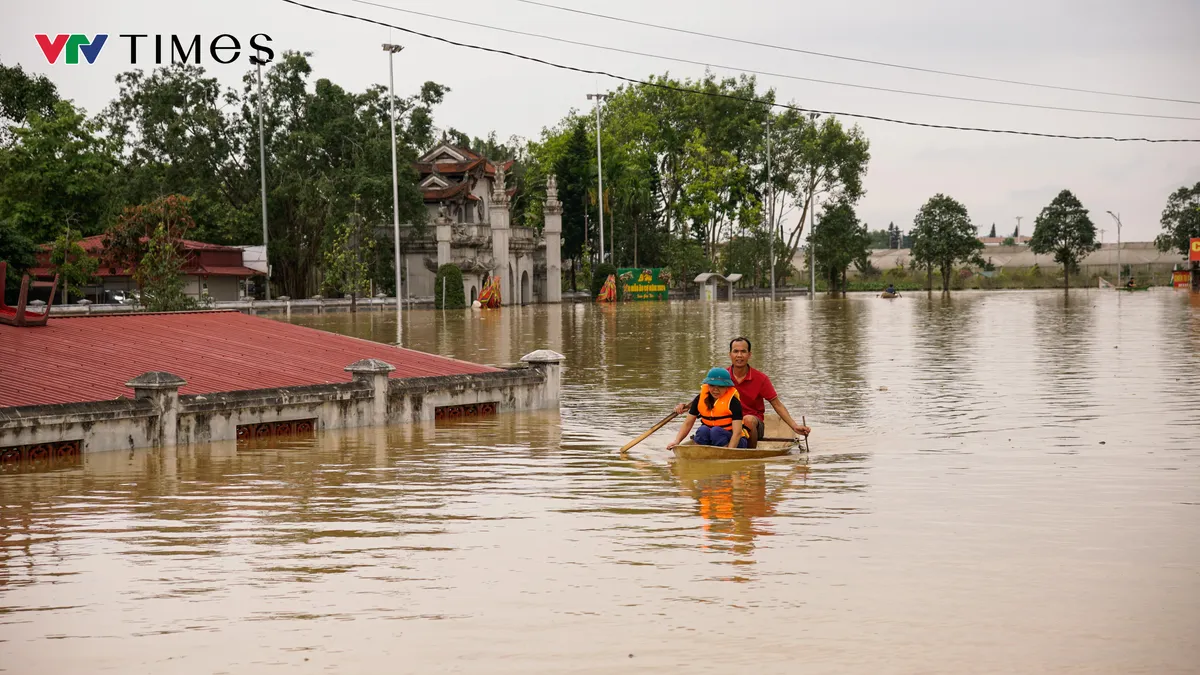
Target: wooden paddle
[{"x": 653, "y": 429}]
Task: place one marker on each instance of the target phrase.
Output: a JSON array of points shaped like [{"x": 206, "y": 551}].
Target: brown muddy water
[{"x": 999, "y": 483}]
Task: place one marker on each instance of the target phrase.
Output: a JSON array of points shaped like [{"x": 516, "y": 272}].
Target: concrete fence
[{"x": 158, "y": 416}]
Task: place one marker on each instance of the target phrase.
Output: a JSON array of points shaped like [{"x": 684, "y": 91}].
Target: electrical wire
[
  {"x": 659, "y": 85},
  {"x": 767, "y": 73},
  {"x": 885, "y": 64}
]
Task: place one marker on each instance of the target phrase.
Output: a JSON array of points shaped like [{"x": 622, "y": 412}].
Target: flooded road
[{"x": 999, "y": 482}]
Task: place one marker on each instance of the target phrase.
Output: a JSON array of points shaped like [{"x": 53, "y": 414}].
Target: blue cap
[{"x": 718, "y": 376}]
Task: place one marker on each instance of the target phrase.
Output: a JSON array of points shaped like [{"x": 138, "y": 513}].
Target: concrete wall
[{"x": 159, "y": 417}]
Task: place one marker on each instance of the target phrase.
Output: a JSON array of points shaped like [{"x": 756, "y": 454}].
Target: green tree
[
  {"x": 943, "y": 236},
  {"x": 840, "y": 241},
  {"x": 450, "y": 278},
  {"x": 880, "y": 238},
  {"x": 17, "y": 250},
  {"x": 1009, "y": 241},
  {"x": 127, "y": 242},
  {"x": 159, "y": 274},
  {"x": 1180, "y": 220},
  {"x": 56, "y": 171},
  {"x": 1064, "y": 229},
  {"x": 992, "y": 234},
  {"x": 20, "y": 95},
  {"x": 347, "y": 257},
  {"x": 75, "y": 268},
  {"x": 819, "y": 160},
  {"x": 895, "y": 238},
  {"x": 571, "y": 169},
  {"x": 183, "y": 133}
]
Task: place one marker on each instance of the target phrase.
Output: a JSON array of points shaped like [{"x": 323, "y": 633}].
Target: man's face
[{"x": 739, "y": 354}]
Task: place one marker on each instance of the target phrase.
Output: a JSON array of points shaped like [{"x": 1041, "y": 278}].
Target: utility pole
[
  {"x": 599, "y": 170},
  {"x": 812, "y": 248},
  {"x": 1018, "y": 228},
  {"x": 771, "y": 206},
  {"x": 262, "y": 170},
  {"x": 392, "y": 50},
  {"x": 1117, "y": 217}
]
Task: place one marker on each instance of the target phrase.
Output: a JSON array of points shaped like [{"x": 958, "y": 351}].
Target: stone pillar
[
  {"x": 553, "y": 233},
  {"x": 162, "y": 389},
  {"x": 550, "y": 363},
  {"x": 498, "y": 218},
  {"x": 375, "y": 373},
  {"x": 443, "y": 225}
]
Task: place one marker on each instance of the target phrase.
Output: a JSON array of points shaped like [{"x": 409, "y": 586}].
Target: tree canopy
[
  {"x": 1064, "y": 229},
  {"x": 1180, "y": 220},
  {"x": 839, "y": 241},
  {"x": 943, "y": 236}
]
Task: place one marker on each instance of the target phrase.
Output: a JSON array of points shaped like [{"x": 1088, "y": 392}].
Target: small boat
[
  {"x": 689, "y": 450},
  {"x": 1137, "y": 288},
  {"x": 888, "y": 296}
]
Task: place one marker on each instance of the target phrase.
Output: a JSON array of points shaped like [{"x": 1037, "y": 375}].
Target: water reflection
[{"x": 938, "y": 505}]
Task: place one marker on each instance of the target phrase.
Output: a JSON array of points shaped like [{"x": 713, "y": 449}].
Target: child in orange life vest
[{"x": 720, "y": 413}]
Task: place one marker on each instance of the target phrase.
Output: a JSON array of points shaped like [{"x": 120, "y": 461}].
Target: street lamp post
[
  {"x": 262, "y": 169},
  {"x": 771, "y": 206},
  {"x": 392, "y": 50},
  {"x": 1117, "y": 217},
  {"x": 600, "y": 172}
]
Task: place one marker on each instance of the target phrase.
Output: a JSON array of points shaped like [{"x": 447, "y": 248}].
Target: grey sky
[{"x": 1145, "y": 49}]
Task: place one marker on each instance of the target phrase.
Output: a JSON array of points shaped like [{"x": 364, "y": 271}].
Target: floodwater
[{"x": 999, "y": 483}]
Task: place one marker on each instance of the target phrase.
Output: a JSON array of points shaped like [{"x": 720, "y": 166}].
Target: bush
[
  {"x": 453, "y": 280},
  {"x": 600, "y": 275}
]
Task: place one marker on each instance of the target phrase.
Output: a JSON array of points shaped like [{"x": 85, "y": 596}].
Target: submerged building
[{"x": 468, "y": 201}]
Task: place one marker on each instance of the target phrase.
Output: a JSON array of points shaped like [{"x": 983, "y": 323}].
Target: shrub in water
[{"x": 452, "y": 278}]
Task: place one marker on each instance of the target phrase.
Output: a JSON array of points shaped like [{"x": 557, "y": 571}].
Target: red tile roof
[
  {"x": 432, "y": 194},
  {"x": 96, "y": 243},
  {"x": 225, "y": 271},
  {"x": 91, "y": 358}
]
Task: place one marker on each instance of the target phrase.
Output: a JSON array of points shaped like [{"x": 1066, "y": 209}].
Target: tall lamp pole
[
  {"x": 599, "y": 171},
  {"x": 262, "y": 168},
  {"x": 1117, "y": 217},
  {"x": 392, "y": 50},
  {"x": 771, "y": 206}
]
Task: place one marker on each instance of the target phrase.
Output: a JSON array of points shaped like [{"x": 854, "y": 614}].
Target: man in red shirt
[{"x": 754, "y": 387}]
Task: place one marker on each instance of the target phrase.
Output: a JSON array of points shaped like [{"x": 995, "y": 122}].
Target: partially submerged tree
[
  {"x": 159, "y": 274},
  {"x": 75, "y": 268},
  {"x": 839, "y": 241},
  {"x": 1064, "y": 229},
  {"x": 1180, "y": 220},
  {"x": 943, "y": 236}
]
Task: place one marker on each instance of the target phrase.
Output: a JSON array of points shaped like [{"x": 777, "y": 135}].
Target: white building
[{"x": 469, "y": 225}]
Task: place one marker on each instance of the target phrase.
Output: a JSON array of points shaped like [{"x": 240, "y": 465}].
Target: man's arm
[{"x": 787, "y": 418}]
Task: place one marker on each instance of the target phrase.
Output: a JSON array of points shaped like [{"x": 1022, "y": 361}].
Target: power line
[
  {"x": 854, "y": 59},
  {"x": 767, "y": 73},
  {"x": 659, "y": 85}
]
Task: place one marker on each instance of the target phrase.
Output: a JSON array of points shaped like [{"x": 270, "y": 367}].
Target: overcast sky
[{"x": 1146, "y": 48}]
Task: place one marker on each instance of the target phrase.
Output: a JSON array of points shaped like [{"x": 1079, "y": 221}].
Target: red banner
[
  {"x": 1181, "y": 278},
  {"x": 1194, "y": 250}
]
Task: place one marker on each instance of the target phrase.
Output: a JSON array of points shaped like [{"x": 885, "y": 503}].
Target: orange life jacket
[{"x": 719, "y": 415}]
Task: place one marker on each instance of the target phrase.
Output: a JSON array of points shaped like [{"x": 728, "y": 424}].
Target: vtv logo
[{"x": 74, "y": 45}]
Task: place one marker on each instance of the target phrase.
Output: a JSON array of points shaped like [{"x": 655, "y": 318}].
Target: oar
[{"x": 653, "y": 429}]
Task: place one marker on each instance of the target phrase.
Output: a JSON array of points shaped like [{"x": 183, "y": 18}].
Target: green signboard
[{"x": 642, "y": 283}]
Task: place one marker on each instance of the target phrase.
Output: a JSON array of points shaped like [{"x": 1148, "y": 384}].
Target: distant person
[
  {"x": 1130, "y": 284},
  {"x": 891, "y": 289},
  {"x": 754, "y": 387},
  {"x": 719, "y": 410}
]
